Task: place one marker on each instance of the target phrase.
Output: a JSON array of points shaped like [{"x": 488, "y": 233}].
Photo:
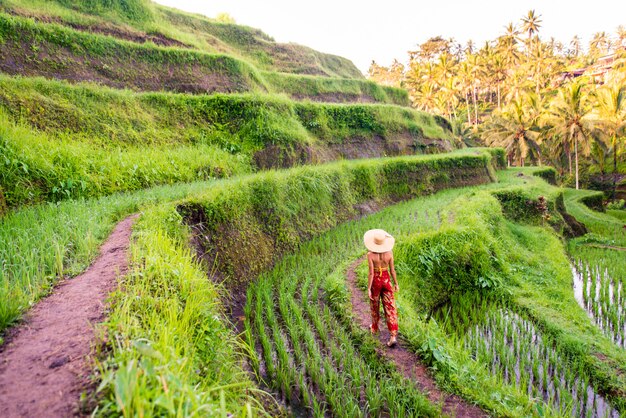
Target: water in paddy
[
  {"x": 515, "y": 350},
  {"x": 603, "y": 298}
]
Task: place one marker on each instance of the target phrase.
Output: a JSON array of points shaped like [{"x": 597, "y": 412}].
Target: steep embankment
[
  {"x": 31, "y": 48},
  {"x": 61, "y": 141},
  {"x": 142, "y": 21}
]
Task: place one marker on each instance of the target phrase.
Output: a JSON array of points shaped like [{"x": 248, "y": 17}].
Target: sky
[{"x": 386, "y": 29}]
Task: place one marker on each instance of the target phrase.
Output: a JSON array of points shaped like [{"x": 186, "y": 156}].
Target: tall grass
[
  {"x": 96, "y": 140},
  {"x": 173, "y": 352},
  {"x": 39, "y": 168},
  {"x": 194, "y": 30},
  {"x": 41, "y": 244}
]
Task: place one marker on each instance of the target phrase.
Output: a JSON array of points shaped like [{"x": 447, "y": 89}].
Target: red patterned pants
[{"x": 381, "y": 289}]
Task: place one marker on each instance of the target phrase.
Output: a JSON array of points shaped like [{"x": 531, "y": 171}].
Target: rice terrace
[{"x": 199, "y": 220}]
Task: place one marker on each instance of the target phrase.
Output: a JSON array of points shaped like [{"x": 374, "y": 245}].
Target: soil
[
  {"x": 46, "y": 363},
  {"x": 405, "y": 360}
]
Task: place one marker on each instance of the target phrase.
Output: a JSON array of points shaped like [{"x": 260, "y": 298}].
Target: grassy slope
[
  {"x": 139, "y": 20},
  {"x": 61, "y": 141},
  {"x": 36, "y": 49}
]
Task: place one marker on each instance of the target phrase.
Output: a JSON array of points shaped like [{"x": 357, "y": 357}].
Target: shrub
[{"x": 548, "y": 174}]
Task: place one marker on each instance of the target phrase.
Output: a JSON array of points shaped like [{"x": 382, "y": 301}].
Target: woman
[{"x": 380, "y": 260}]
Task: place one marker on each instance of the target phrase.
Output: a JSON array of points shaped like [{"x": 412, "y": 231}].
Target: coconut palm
[
  {"x": 516, "y": 130},
  {"x": 600, "y": 44},
  {"x": 530, "y": 25},
  {"x": 610, "y": 114},
  {"x": 568, "y": 117},
  {"x": 575, "y": 46}
]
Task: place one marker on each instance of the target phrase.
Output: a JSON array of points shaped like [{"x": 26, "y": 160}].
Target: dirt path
[
  {"x": 45, "y": 365},
  {"x": 405, "y": 360}
]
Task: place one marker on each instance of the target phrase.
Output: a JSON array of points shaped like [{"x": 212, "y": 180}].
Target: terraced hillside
[
  {"x": 88, "y": 86},
  {"x": 140, "y": 21},
  {"x": 233, "y": 282}
]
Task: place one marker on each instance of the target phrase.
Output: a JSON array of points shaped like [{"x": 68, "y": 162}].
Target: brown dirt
[
  {"x": 405, "y": 360},
  {"x": 46, "y": 364}
]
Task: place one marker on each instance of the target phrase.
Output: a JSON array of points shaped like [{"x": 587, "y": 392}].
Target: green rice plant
[
  {"x": 523, "y": 357},
  {"x": 600, "y": 295},
  {"x": 173, "y": 353}
]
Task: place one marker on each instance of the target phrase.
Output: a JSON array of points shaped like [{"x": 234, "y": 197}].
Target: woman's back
[{"x": 380, "y": 261}]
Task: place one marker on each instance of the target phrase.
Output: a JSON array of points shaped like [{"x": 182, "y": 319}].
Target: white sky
[{"x": 386, "y": 29}]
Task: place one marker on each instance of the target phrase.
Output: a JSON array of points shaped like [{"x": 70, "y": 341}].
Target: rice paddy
[
  {"x": 603, "y": 297},
  {"x": 514, "y": 349}
]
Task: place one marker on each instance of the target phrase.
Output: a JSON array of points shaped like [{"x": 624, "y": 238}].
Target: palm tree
[
  {"x": 516, "y": 129},
  {"x": 621, "y": 36},
  {"x": 466, "y": 82},
  {"x": 600, "y": 44},
  {"x": 575, "y": 46},
  {"x": 610, "y": 114},
  {"x": 569, "y": 120},
  {"x": 531, "y": 24}
]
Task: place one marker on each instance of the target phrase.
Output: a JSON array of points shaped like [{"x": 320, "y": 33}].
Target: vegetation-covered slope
[
  {"x": 30, "y": 48},
  {"x": 61, "y": 141},
  {"x": 143, "y": 21}
]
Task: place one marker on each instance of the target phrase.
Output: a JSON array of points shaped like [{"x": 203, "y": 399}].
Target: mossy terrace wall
[
  {"x": 146, "y": 21},
  {"x": 33, "y": 49},
  {"x": 58, "y": 140},
  {"x": 245, "y": 228}
]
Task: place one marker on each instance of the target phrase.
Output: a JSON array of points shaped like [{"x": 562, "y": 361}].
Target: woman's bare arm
[
  {"x": 370, "y": 275},
  {"x": 392, "y": 268}
]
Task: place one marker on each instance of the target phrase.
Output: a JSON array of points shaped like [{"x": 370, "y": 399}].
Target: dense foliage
[
  {"x": 544, "y": 101},
  {"x": 59, "y": 141}
]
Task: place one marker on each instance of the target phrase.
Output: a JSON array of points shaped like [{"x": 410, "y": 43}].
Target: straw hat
[{"x": 378, "y": 241}]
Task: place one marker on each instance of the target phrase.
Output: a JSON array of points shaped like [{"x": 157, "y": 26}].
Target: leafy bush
[
  {"x": 549, "y": 174},
  {"x": 616, "y": 205},
  {"x": 463, "y": 255}
]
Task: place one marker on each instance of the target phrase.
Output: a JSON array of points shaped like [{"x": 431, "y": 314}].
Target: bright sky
[{"x": 386, "y": 29}]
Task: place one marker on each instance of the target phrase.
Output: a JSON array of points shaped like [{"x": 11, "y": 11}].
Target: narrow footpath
[
  {"x": 46, "y": 364},
  {"x": 405, "y": 360}
]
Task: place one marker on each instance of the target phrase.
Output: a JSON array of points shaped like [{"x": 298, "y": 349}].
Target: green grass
[
  {"x": 292, "y": 308},
  {"x": 334, "y": 89},
  {"x": 38, "y": 245},
  {"x": 533, "y": 272},
  {"x": 60, "y": 141},
  {"x": 196, "y": 31},
  {"x": 319, "y": 266},
  {"x": 56, "y": 51},
  {"x": 174, "y": 354}
]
